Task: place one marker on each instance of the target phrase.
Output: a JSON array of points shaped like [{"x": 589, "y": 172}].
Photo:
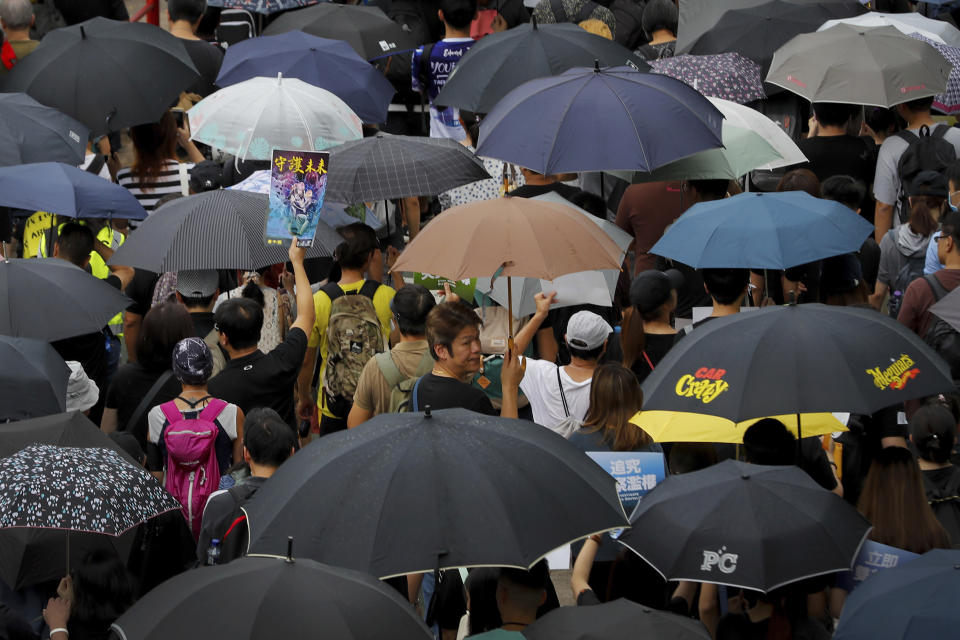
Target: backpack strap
[
  {"x": 907, "y": 136},
  {"x": 938, "y": 289},
  {"x": 369, "y": 289},
  {"x": 563, "y": 397},
  {"x": 649, "y": 361},
  {"x": 193, "y": 403},
  {"x": 939, "y": 132},
  {"x": 213, "y": 409},
  {"x": 391, "y": 373},
  {"x": 96, "y": 164},
  {"x": 171, "y": 412},
  {"x": 414, "y": 401},
  {"x": 333, "y": 291},
  {"x": 423, "y": 67},
  {"x": 147, "y": 399}
]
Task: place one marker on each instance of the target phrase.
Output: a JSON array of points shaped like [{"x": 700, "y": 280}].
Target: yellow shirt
[
  {"x": 318, "y": 336},
  {"x": 33, "y": 230}
]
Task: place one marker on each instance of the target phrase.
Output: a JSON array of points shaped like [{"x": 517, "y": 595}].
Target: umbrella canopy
[
  {"x": 263, "y": 7},
  {"x": 805, "y": 358},
  {"x": 33, "y": 379},
  {"x": 387, "y": 166},
  {"x": 220, "y": 229},
  {"x": 949, "y": 100},
  {"x": 617, "y": 620},
  {"x": 74, "y": 302},
  {"x": 551, "y": 125},
  {"x": 78, "y": 489},
  {"x": 414, "y": 492},
  {"x": 367, "y": 29},
  {"x": 948, "y": 309},
  {"x": 66, "y": 191},
  {"x": 746, "y": 118},
  {"x": 724, "y": 75},
  {"x": 252, "y": 118},
  {"x": 526, "y": 237},
  {"x": 501, "y": 62},
  {"x": 137, "y": 69},
  {"x": 272, "y": 597},
  {"x": 71, "y": 429},
  {"x": 329, "y": 64},
  {"x": 939, "y": 31},
  {"x": 913, "y": 601},
  {"x": 857, "y": 65},
  {"x": 762, "y": 231},
  {"x": 745, "y": 525},
  {"x": 37, "y": 133}
]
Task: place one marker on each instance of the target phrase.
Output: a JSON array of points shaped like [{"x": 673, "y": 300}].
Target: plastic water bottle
[{"x": 213, "y": 553}]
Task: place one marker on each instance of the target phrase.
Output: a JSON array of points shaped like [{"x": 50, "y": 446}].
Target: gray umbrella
[
  {"x": 32, "y": 132},
  {"x": 33, "y": 379},
  {"x": 875, "y": 66},
  {"x": 73, "y": 301},
  {"x": 387, "y": 166},
  {"x": 220, "y": 229},
  {"x": 948, "y": 309}
]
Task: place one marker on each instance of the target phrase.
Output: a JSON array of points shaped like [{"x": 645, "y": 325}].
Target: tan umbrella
[{"x": 527, "y": 238}]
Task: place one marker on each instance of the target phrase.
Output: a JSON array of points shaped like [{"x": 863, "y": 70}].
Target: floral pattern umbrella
[
  {"x": 729, "y": 76},
  {"x": 265, "y": 7},
  {"x": 949, "y": 100}
]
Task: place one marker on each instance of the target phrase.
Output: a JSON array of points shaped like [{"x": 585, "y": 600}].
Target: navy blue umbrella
[
  {"x": 920, "y": 599},
  {"x": 763, "y": 231},
  {"x": 329, "y": 64},
  {"x": 66, "y": 191},
  {"x": 600, "y": 120}
]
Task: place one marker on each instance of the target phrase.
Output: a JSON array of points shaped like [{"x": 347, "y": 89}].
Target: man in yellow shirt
[{"x": 349, "y": 311}]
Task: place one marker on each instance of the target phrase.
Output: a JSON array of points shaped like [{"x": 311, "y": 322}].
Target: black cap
[
  {"x": 929, "y": 183},
  {"x": 840, "y": 274},
  {"x": 206, "y": 176},
  {"x": 651, "y": 289}
]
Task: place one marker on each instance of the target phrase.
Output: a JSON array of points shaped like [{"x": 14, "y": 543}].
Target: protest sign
[
  {"x": 873, "y": 557},
  {"x": 298, "y": 182},
  {"x": 636, "y": 473}
]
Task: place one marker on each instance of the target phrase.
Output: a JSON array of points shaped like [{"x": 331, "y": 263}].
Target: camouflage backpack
[{"x": 354, "y": 336}]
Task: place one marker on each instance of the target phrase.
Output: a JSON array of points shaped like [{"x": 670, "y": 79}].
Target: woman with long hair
[
  {"x": 933, "y": 431},
  {"x": 647, "y": 333},
  {"x": 615, "y": 397}
]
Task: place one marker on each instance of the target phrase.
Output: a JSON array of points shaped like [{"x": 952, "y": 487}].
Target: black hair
[
  {"x": 846, "y": 190},
  {"x": 880, "y": 119},
  {"x": 189, "y": 10},
  {"x": 833, "y": 114},
  {"x": 192, "y": 302},
  {"x": 471, "y": 125},
  {"x": 267, "y": 438},
  {"x": 252, "y": 291},
  {"x": 75, "y": 242},
  {"x": 445, "y": 322},
  {"x": 691, "y": 456},
  {"x": 591, "y": 203},
  {"x": 952, "y": 173},
  {"x": 359, "y": 241},
  {"x": 725, "y": 285},
  {"x": 950, "y": 401},
  {"x": 710, "y": 189},
  {"x": 102, "y": 589},
  {"x": 458, "y": 13},
  {"x": 767, "y": 441},
  {"x": 660, "y": 14},
  {"x": 934, "y": 431},
  {"x": 586, "y": 354},
  {"x": 481, "y": 586},
  {"x": 410, "y": 307},
  {"x": 920, "y": 104},
  {"x": 163, "y": 327},
  {"x": 241, "y": 320},
  {"x": 535, "y": 578},
  {"x": 950, "y": 225}
]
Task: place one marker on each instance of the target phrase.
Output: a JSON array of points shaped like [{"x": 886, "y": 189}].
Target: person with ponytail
[
  {"x": 647, "y": 333},
  {"x": 933, "y": 431},
  {"x": 263, "y": 286}
]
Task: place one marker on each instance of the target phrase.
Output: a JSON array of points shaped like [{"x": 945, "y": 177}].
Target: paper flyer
[
  {"x": 463, "y": 288},
  {"x": 298, "y": 182}
]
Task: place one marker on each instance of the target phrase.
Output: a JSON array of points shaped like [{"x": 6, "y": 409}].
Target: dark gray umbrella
[
  {"x": 220, "y": 229},
  {"x": 51, "y": 299},
  {"x": 387, "y": 166},
  {"x": 36, "y": 133},
  {"x": 72, "y": 429},
  {"x": 617, "y": 620},
  {"x": 33, "y": 379},
  {"x": 948, "y": 309}
]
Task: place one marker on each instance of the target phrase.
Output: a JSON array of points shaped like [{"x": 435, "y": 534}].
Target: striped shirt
[{"x": 148, "y": 193}]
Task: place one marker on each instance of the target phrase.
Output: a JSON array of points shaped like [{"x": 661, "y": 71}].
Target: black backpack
[
  {"x": 629, "y": 20},
  {"x": 911, "y": 269},
  {"x": 942, "y": 337},
  {"x": 926, "y": 152},
  {"x": 945, "y": 502}
]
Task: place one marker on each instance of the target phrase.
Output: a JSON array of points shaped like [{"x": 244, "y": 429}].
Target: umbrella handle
[{"x": 510, "y": 310}]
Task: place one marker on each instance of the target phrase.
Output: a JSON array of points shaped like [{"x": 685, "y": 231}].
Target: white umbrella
[
  {"x": 744, "y": 117},
  {"x": 252, "y": 118},
  {"x": 907, "y": 23}
]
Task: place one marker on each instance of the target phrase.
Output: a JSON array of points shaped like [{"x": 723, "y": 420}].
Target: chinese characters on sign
[
  {"x": 873, "y": 557},
  {"x": 298, "y": 181},
  {"x": 636, "y": 473}
]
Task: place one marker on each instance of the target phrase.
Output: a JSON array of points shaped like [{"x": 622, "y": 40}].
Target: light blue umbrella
[
  {"x": 763, "y": 231},
  {"x": 66, "y": 191}
]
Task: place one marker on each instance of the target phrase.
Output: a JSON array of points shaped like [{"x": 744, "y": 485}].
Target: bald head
[{"x": 16, "y": 15}]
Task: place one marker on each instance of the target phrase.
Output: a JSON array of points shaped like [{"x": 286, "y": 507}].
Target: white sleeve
[
  {"x": 155, "y": 421},
  {"x": 228, "y": 420},
  {"x": 532, "y": 381}
]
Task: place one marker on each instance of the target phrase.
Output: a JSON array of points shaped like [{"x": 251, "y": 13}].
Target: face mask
[{"x": 950, "y": 204}]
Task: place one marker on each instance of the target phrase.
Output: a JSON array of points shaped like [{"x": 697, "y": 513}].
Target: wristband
[{"x": 59, "y": 630}]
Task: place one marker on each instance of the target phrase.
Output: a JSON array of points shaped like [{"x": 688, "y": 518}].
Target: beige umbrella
[{"x": 526, "y": 238}]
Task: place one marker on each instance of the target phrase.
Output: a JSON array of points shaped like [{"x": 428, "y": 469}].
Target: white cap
[
  {"x": 82, "y": 392},
  {"x": 586, "y": 330}
]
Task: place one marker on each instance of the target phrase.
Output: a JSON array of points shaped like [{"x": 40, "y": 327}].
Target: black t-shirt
[
  {"x": 140, "y": 290},
  {"x": 129, "y": 386},
  {"x": 264, "y": 380},
  {"x": 207, "y": 58},
  {"x": 75, "y": 11},
  {"x": 657, "y": 346},
  {"x": 439, "y": 392},
  {"x": 843, "y": 156},
  {"x": 691, "y": 293},
  {"x": 534, "y": 190}
]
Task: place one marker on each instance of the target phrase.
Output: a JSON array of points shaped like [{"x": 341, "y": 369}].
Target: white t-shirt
[
  {"x": 104, "y": 170},
  {"x": 540, "y": 386},
  {"x": 227, "y": 420}
]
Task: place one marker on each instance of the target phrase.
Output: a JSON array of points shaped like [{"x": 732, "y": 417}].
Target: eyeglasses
[{"x": 942, "y": 237}]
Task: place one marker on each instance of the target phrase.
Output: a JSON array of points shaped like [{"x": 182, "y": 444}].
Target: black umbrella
[
  {"x": 503, "y": 61},
  {"x": 272, "y": 597},
  {"x": 51, "y": 299},
  {"x": 412, "y": 492},
  {"x": 617, "y": 620},
  {"x": 37, "y": 133},
  {"x": 33, "y": 379},
  {"x": 367, "y": 29},
  {"x": 71, "y": 429},
  {"x": 106, "y": 74},
  {"x": 387, "y": 166},
  {"x": 749, "y": 526},
  {"x": 220, "y": 229}
]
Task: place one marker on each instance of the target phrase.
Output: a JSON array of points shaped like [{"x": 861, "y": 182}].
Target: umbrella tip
[
  {"x": 426, "y": 412},
  {"x": 279, "y": 77},
  {"x": 83, "y": 33},
  {"x": 289, "y": 559},
  {"x": 596, "y": 65},
  {"x": 533, "y": 21},
  {"x": 745, "y": 476}
]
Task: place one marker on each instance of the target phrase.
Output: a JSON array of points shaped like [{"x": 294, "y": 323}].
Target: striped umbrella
[
  {"x": 949, "y": 100},
  {"x": 214, "y": 230}
]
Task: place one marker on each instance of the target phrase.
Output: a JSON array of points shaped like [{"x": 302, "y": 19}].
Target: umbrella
[
  {"x": 617, "y": 620},
  {"x": 37, "y": 133},
  {"x": 724, "y": 75},
  {"x": 797, "y": 359},
  {"x": 949, "y": 100},
  {"x": 414, "y": 492},
  {"x": 107, "y": 74},
  {"x": 552, "y": 125},
  {"x": 220, "y": 229},
  {"x": 328, "y": 64},
  {"x": 252, "y": 118},
  {"x": 66, "y": 191},
  {"x": 914, "y": 601},
  {"x": 745, "y": 525},
  {"x": 756, "y": 32},
  {"x": 948, "y": 309},
  {"x": 272, "y": 597},
  {"x": 762, "y": 231},
  {"x": 858, "y": 65},
  {"x": 74, "y": 302},
  {"x": 907, "y": 23},
  {"x": 503, "y": 61},
  {"x": 264, "y": 7},
  {"x": 387, "y": 166},
  {"x": 33, "y": 379},
  {"x": 71, "y": 429},
  {"x": 367, "y": 29}
]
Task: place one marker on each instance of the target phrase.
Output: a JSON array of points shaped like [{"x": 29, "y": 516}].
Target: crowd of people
[{"x": 255, "y": 365}]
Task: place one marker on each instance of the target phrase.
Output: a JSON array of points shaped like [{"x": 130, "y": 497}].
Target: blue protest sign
[
  {"x": 636, "y": 473},
  {"x": 873, "y": 557}
]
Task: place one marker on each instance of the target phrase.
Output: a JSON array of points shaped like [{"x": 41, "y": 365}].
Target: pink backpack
[{"x": 192, "y": 469}]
